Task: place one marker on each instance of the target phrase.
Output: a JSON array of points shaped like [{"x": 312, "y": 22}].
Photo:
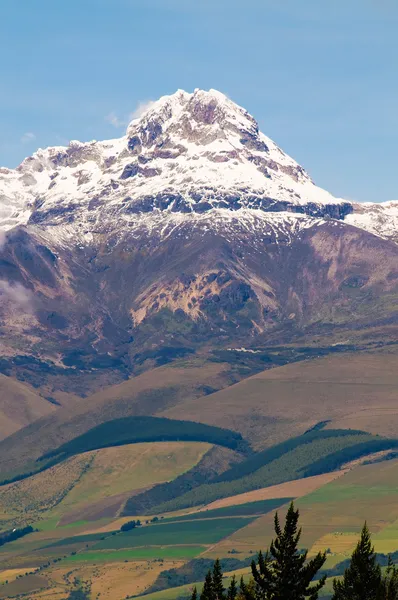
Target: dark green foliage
[
  {"x": 10, "y": 536},
  {"x": 218, "y": 586},
  {"x": 208, "y": 589},
  {"x": 284, "y": 573},
  {"x": 292, "y": 464},
  {"x": 131, "y": 430},
  {"x": 194, "y": 594},
  {"x": 232, "y": 592},
  {"x": 293, "y": 459},
  {"x": 265, "y": 457},
  {"x": 213, "y": 588},
  {"x": 130, "y": 525},
  {"x": 362, "y": 580},
  {"x": 334, "y": 461},
  {"x": 79, "y": 594},
  {"x": 389, "y": 583},
  {"x": 383, "y": 560},
  {"x": 82, "y": 592},
  {"x": 194, "y": 570}
]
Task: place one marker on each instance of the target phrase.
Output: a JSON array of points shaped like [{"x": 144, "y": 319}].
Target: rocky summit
[{"x": 192, "y": 234}]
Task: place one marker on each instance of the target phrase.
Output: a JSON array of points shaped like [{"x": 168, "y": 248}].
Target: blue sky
[{"x": 320, "y": 76}]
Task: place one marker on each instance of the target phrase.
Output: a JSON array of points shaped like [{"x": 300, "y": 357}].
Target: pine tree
[
  {"x": 389, "y": 583},
  {"x": 208, "y": 590},
  {"x": 247, "y": 590},
  {"x": 362, "y": 580},
  {"x": 284, "y": 573},
  {"x": 218, "y": 587},
  {"x": 194, "y": 594},
  {"x": 232, "y": 592}
]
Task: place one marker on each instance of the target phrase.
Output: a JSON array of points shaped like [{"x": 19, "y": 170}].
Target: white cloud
[
  {"x": 28, "y": 137},
  {"x": 141, "y": 109},
  {"x": 118, "y": 122},
  {"x": 17, "y": 295},
  {"x": 114, "y": 120}
]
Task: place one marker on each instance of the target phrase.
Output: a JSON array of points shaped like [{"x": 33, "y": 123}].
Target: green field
[
  {"x": 260, "y": 507},
  {"x": 290, "y": 465},
  {"x": 188, "y": 532},
  {"x": 77, "y": 539},
  {"x": 147, "y": 553}
]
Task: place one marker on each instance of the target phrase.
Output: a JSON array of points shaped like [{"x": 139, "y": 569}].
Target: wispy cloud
[
  {"x": 28, "y": 137},
  {"x": 113, "y": 118},
  {"x": 141, "y": 109},
  {"x": 17, "y": 295}
]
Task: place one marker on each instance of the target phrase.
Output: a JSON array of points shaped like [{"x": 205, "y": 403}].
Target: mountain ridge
[{"x": 186, "y": 154}]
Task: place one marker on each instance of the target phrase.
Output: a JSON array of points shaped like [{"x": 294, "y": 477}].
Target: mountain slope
[
  {"x": 20, "y": 405},
  {"x": 266, "y": 408},
  {"x": 287, "y": 401},
  {"x": 146, "y": 394},
  {"x": 192, "y": 233}
]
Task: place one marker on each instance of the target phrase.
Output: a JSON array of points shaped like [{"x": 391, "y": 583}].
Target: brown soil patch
[{"x": 105, "y": 508}]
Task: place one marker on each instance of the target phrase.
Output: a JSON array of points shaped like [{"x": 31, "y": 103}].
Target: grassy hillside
[
  {"x": 95, "y": 484},
  {"x": 314, "y": 453},
  {"x": 20, "y": 405},
  {"x": 129, "y": 430},
  {"x": 292, "y": 464},
  {"x": 78, "y": 502},
  {"x": 115, "y": 472},
  {"x": 142, "y": 395},
  {"x": 172, "y": 552},
  {"x": 284, "y": 402},
  {"x": 134, "y": 430},
  {"x": 266, "y": 408},
  {"x": 333, "y": 515}
]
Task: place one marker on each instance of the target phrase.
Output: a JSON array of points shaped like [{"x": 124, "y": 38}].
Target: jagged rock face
[{"x": 193, "y": 231}]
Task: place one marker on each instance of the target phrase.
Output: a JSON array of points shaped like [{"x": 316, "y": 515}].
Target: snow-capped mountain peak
[
  {"x": 186, "y": 154},
  {"x": 209, "y": 126}
]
